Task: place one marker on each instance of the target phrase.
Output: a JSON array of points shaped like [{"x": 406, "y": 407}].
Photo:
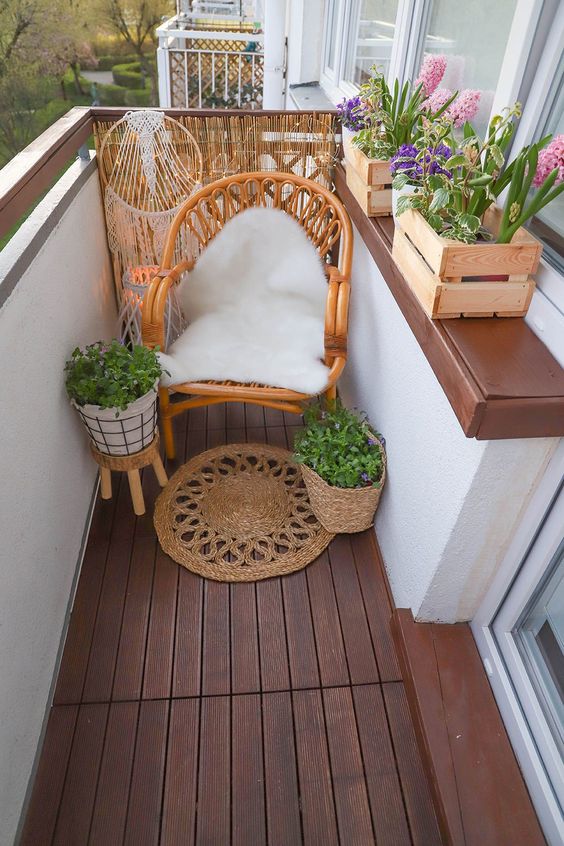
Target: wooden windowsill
[
  {"x": 500, "y": 379},
  {"x": 479, "y": 794}
]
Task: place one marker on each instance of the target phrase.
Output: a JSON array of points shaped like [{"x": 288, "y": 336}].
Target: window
[
  {"x": 549, "y": 223},
  {"x": 474, "y": 40},
  {"x": 508, "y": 49},
  {"x": 333, "y": 18},
  {"x": 370, "y": 39},
  {"x": 358, "y": 34}
]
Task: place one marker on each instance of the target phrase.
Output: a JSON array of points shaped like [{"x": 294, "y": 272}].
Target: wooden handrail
[{"x": 30, "y": 172}]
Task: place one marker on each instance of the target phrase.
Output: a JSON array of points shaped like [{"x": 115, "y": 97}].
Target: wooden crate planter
[
  {"x": 452, "y": 279},
  {"x": 369, "y": 180}
]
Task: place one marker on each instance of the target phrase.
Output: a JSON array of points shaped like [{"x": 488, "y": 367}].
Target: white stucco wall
[
  {"x": 451, "y": 503},
  {"x": 63, "y": 298}
]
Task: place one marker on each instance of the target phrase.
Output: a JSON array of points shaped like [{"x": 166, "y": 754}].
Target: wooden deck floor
[{"x": 190, "y": 711}]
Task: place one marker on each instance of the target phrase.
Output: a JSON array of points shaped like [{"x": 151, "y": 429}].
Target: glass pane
[
  {"x": 474, "y": 41},
  {"x": 371, "y": 38},
  {"x": 332, "y": 21},
  {"x": 549, "y": 223},
  {"x": 540, "y": 635}
]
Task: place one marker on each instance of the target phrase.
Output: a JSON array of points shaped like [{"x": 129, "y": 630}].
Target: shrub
[
  {"x": 112, "y": 95},
  {"x": 114, "y": 45},
  {"x": 51, "y": 112},
  {"x": 69, "y": 85},
  {"x": 110, "y": 374},
  {"x": 138, "y": 98},
  {"x": 340, "y": 446},
  {"x": 106, "y": 63},
  {"x": 128, "y": 75}
]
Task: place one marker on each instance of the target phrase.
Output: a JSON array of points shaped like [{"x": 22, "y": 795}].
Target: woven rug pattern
[{"x": 239, "y": 513}]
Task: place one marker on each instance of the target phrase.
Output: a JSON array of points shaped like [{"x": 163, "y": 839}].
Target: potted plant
[
  {"x": 343, "y": 464},
  {"x": 390, "y": 118},
  {"x": 407, "y": 170},
  {"x": 449, "y": 230},
  {"x": 114, "y": 390},
  {"x": 353, "y": 114}
]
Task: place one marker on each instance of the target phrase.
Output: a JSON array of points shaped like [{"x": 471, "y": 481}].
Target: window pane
[
  {"x": 549, "y": 223},
  {"x": 371, "y": 38},
  {"x": 540, "y": 635},
  {"x": 473, "y": 38},
  {"x": 332, "y": 21}
]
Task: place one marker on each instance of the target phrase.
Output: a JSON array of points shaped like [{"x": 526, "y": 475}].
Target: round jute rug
[{"x": 239, "y": 513}]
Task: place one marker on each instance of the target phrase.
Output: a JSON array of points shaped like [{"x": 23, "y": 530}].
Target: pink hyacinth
[
  {"x": 549, "y": 158},
  {"x": 437, "y": 99},
  {"x": 431, "y": 73},
  {"x": 465, "y": 106}
]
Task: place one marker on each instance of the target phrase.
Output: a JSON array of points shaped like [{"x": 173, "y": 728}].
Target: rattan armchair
[{"x": 202, "y": 216}]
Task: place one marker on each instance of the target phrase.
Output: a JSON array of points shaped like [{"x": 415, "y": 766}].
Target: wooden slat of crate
[
  {"x": 452, "y": 259},
  {"x": 372, "y": 171},
  {"x": 374, "y": 201},
  {"x": 452, "y": 299}
]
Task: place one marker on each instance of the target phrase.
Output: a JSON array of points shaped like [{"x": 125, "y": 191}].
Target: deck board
[
  {"x": 247, "y": 772},
  {"x": 196, "y": 712},
  {"x": 110, "y": 806},
  {"x": 179, "y": 802}
]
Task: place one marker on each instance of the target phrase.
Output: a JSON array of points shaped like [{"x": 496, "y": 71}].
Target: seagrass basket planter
[
  {"x": 369, "y": 180},
  {"x": 453, "y": 279},
  {"x": 343, "y": 510}
]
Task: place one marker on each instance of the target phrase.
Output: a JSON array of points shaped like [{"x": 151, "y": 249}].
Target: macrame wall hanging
[{"x": 150, "y": 165}]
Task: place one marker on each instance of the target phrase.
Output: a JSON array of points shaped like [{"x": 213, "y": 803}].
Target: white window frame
[
  {"x": 546, "y": 314},
  {"x": 332, "y": 79},
  {"x": 411, "y": 22},
  {"x": 521, "y": 570},
  {"x": 535, "y": 112}
]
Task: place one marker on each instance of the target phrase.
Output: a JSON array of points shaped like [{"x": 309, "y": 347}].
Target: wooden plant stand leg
[
  {"x": 130, "y": 464},
  {"x": 105, "y": 483},
  {"x": 160, "y": 472},
  {"x": 136, "y": 491}
]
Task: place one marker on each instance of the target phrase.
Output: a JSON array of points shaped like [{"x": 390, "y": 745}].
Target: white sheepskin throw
[{"x": 255, "y": 302}]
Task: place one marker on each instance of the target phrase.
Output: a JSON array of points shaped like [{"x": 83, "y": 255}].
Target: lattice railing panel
[{"x": 216, "y": 73}]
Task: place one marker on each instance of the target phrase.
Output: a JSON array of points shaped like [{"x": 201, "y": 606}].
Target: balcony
[{"x": 142, "y": 703}]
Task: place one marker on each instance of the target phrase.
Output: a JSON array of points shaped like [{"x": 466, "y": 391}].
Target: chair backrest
[
  {"x": 317, "y": 210},
  {"x": 149, "y": 165}
]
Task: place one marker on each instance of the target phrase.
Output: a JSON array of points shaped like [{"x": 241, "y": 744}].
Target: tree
[
  {"x": 39, "y": 39},
  {"x": 18, "y": 18},
  {"x": 136, "y": 22}
]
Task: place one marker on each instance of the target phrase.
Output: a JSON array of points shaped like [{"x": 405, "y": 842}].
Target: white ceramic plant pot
[
  {"x": 348, "y": 135},
  {"x": 396, "y": 194},
  {"x": 117, "y": 432}
]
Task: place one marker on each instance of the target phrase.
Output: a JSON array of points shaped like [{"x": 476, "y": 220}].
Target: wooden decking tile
[{"x": 198, "y": 712}]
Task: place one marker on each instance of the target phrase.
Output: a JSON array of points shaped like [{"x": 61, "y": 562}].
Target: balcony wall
[
  {"x": 451, "y": 503},
  {"x": 56, "y": 292}
]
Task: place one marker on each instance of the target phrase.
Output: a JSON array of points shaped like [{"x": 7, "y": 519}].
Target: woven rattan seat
[{"x": 200, "y": 218}]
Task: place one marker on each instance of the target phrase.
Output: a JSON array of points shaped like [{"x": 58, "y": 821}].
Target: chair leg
[
  {"x": 331, "y": 393},
  {"x": 166, "y": 423}
]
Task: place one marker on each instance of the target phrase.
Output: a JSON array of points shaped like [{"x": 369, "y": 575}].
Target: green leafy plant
[
  {"x": 340, "y": 446},
  {"x": 522, "y": 201},
  {"x": 454, "y": 193},
  {"x": 394, "y": 115},
  {"x": 110, "y": 374}
]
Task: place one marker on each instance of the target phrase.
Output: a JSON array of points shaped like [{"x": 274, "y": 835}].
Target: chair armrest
[{"x": 154, "y": 303}]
